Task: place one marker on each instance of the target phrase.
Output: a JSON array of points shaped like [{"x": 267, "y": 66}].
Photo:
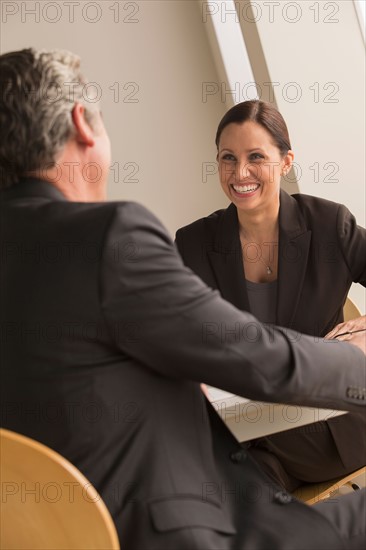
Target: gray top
[{"x": 262, "y": 300}]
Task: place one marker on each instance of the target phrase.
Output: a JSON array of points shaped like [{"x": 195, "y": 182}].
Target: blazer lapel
[
  {"x": 226, "y": 260},
  {"x": 294, "y": 245}
]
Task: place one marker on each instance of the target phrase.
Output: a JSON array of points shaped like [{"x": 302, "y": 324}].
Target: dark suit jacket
[
  {"x": 321, "y": 252},
  {"x": 105, "y": 336}
]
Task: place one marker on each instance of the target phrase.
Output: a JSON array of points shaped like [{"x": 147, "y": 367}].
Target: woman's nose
[{"x": 242, "y": 171}]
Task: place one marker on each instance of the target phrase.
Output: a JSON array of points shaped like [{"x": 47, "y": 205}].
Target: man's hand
[{"x": 205, "y": 390}]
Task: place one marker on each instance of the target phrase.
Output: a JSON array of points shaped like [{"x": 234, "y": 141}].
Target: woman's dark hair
[{"x": 262, "y": 113}]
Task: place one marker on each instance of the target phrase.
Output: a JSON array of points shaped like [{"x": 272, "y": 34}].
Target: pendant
[{"x": 269, "y": 270}]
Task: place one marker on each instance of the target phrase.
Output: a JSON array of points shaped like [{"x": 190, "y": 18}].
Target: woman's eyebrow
[
  {"x": 256, "y": 149},
  {"x": 248, "y": 151},
  {"x": 226, "y": 149}
]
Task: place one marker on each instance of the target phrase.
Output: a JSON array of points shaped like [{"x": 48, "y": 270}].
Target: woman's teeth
[{"x": 245, "y": 188}]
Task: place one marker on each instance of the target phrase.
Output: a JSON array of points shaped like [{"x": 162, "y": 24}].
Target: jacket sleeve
[
  {"x": 185, "y": 330},
  {"x": 352, "y": 241}
]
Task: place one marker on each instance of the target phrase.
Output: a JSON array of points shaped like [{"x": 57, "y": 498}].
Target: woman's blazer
[{"x": 321, "y": 252}]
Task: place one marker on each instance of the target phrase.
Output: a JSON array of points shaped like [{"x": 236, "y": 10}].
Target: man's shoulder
[
  {"x": 31, "y": 194},
  {"x": 25, "y": 205},
  {"x": 116, "y": 220},
  {"x": 119, "y": 208},
  {"x": 123, "y": 212},
  {"x": 133, "y": 215}
]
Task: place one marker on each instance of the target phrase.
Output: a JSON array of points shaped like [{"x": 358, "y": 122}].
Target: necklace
[
  {"x": 268, "y": 267},
  {"x": 246, "y": 257}
]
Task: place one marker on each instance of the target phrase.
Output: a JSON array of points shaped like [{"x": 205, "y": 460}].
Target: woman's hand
[
  {"x": 346, "y": 330},
  {"x": 352, "y": 332},
  {"x": 358, "y": 339}
]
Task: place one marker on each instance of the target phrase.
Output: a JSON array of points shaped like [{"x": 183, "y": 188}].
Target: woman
[{"x": 289, "y": 260}]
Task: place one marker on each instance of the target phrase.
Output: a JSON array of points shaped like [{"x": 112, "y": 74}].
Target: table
[{"x": 248, "y": 419}]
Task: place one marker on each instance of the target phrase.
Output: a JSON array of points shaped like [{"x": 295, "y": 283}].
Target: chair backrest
[
  {"x": 350, "y": 310},
  {"x": 311, "y": 493},
  {"x": 46, "y": 503}
]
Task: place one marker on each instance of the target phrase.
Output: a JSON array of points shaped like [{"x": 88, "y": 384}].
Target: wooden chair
[
  {"x": 315, "y": 492},
  {"x": 46, "y": 503},
  {"x": 350, "y": 310}
]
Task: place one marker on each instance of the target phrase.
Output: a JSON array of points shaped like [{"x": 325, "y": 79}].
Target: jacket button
[
  {"x": 282, "y": 497},
  {"x": 237, "y": 457}
]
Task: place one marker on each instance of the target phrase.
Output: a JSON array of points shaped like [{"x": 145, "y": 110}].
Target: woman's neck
[
  {"x": 258, "y": 233},
  {"x": 258, "y": 226}
]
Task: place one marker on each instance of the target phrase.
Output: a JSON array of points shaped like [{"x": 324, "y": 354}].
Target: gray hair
[{"x": 38, "y": 90}]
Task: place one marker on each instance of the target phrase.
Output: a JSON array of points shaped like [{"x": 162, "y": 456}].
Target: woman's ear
[
  {"x": 288, "y": 159},
  {"x": 84, "y": 133}
]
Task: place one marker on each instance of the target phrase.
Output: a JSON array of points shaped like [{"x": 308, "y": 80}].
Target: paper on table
[{"x": 216, "y": 394}]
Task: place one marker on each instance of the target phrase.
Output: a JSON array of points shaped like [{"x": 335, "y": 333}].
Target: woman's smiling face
[{"x": 250, "y": 166}]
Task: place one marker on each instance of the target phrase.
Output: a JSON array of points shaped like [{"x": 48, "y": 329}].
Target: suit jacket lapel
[
  {"x": 294, "y": 244},
  {"x": 226, "y": 260}
]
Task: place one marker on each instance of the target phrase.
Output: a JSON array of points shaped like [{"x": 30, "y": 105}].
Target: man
[{"x": 106, "y": 336}]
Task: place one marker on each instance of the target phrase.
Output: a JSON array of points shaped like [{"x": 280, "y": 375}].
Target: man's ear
[{"x": 84, "y": 133}]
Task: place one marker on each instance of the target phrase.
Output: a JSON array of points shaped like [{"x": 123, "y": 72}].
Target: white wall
[
  {"x": 325, "y": 61},
  {"x": 161, "y": 128},
  {"x": 315, "y": 57}
]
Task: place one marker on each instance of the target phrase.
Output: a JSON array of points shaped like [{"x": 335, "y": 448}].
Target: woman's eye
[
  {"x": 256, "y": 156},
  {"x": 228, "y": 157}
]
